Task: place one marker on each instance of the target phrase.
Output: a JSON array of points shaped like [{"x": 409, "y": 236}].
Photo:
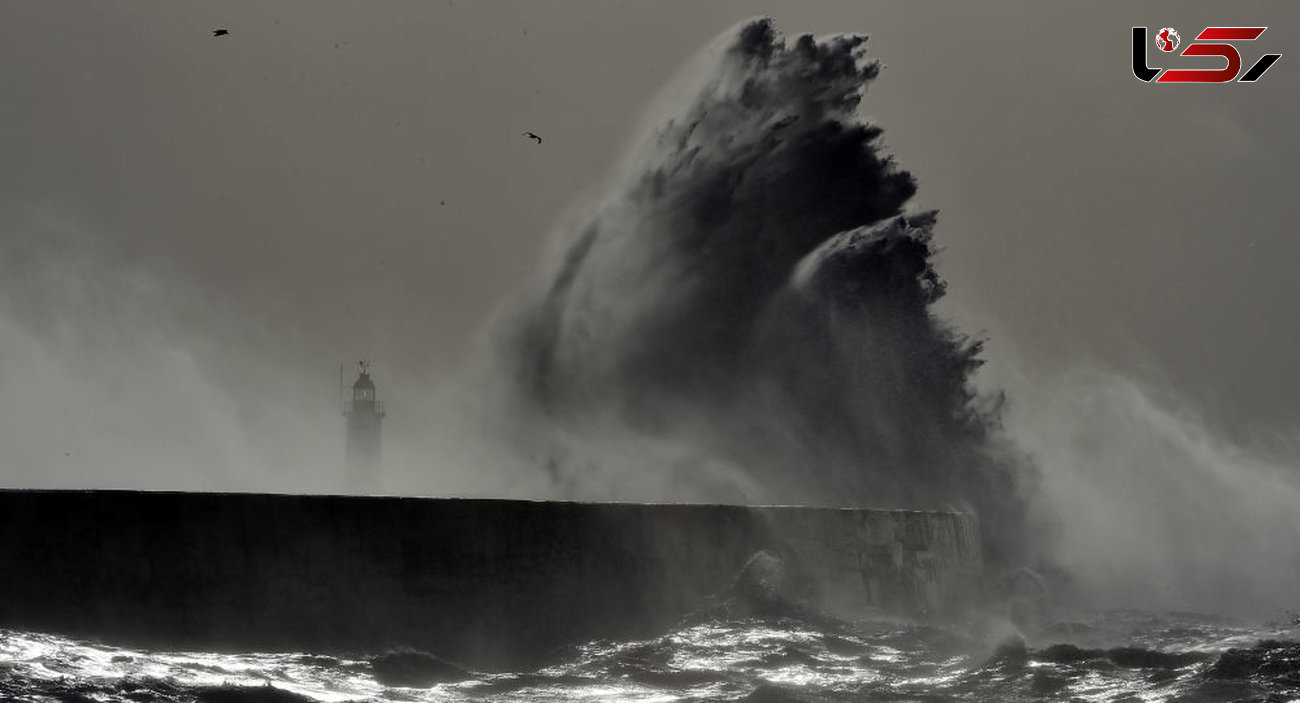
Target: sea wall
[{"x": 489, "y": 583}]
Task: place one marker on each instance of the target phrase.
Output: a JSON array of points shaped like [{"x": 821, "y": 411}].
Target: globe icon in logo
[{"x": 1167, "y": 39}]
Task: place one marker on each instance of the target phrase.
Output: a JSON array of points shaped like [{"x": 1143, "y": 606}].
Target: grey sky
[{"x": 349, "y": 178}]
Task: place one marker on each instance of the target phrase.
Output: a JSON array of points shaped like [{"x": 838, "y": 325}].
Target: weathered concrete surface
[{"x": 488, "y": 583}]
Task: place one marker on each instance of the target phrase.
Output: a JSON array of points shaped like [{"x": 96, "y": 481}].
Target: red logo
[{"x": 1167, "y": 40}]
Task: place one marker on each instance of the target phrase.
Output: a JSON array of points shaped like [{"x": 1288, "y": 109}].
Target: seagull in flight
[
  {"x": 534, "y": 137},
  {"x": 220, "y": 32}
]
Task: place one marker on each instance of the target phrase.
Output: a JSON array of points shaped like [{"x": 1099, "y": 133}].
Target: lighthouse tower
[{"x": 364, "y": 413}]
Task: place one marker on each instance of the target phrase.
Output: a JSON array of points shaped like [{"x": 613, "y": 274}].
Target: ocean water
[{"x": 1115, "y": 656}]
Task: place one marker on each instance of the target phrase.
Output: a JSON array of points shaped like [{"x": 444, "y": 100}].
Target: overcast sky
[{"x": 337, "y": 179}]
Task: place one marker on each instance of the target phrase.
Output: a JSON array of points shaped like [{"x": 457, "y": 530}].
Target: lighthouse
[{"x": 364, "y": 413}]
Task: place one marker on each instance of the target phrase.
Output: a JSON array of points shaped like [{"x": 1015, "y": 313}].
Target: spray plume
[{"x": 746, "y": 313}]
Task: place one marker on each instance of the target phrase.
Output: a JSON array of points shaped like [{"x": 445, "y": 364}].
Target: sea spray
[
  {"x": 746, "y": 312},
  {"x": 1155, "y": 510}
]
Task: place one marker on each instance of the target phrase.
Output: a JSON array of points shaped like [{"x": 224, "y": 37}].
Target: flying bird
[
  {"x": 534, "y": 137},
  {"x": 220, "y": 32}
]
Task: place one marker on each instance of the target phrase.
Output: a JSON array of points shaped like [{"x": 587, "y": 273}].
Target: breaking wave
[{"x": 745, "y": 315}]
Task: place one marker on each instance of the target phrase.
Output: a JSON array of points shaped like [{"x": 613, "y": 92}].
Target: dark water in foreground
[{"x": 1122, "y": 656}]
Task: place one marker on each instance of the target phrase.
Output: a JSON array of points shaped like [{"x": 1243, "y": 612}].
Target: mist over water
[
  {"x": 120, "y": 376},
  {"x": 120, "y": 372},
  {"x": 1154, "y": 509}
]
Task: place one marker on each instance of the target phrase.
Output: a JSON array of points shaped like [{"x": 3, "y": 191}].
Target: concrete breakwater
[{"x": 489, "y": 583}]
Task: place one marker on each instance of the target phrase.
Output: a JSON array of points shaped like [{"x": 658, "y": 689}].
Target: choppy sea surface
[{"x": 1117, "y": 656}]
